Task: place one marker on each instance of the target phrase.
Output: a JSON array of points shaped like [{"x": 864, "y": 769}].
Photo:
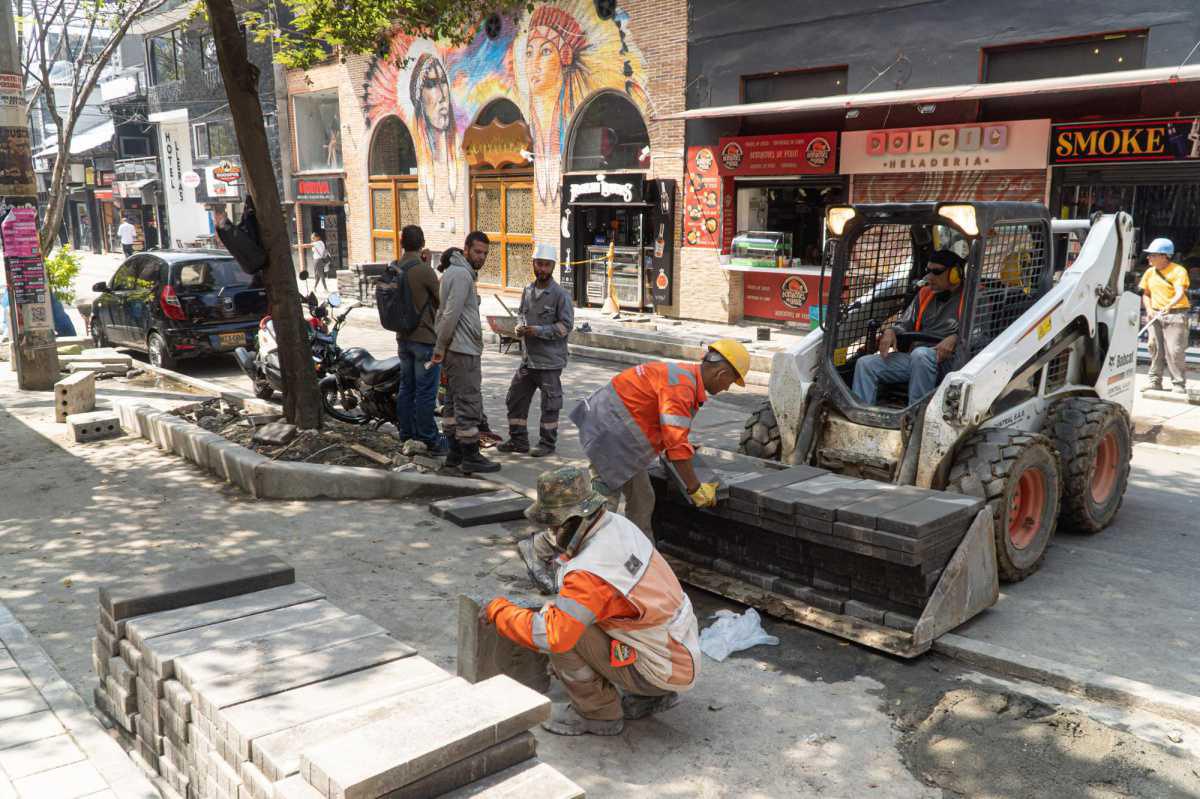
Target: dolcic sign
[
  {"x": 947, "y": 148},
  {"x": 599, "y": 188},
  {"x": 319, "y": 189},
  {"x": 1172, "y": 139}
]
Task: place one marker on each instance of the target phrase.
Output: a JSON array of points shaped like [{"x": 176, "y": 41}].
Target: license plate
[{"x": 231, "y": 340}]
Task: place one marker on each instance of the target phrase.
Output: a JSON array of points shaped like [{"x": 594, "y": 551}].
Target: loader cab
[{"x": 877, "y": 254}]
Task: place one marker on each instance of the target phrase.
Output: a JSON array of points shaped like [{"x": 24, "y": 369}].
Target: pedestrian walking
[
  {"x": 544, "y": 320},
  {"x": 127, "y": 233},
  {"x": 1164, "y": 295},
  {"x": 415, "y": 337},
  {"x": 459, "y": 345},
  {"x": 321, "y": 259}
]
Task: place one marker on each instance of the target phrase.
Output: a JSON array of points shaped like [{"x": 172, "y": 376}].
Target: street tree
[{"x": 83, "y": 35}]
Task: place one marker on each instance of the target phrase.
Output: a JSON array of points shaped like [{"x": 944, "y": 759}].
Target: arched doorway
[
  {"x": 608, "y": 135},
  {"x": 392, "y": 165},
  {"x": 502, "y": 191}
]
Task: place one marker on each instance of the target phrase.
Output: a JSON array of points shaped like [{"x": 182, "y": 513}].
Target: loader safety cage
[{"x": 882, "y": 251}]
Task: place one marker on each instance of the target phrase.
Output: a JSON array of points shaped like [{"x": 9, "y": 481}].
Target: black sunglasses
[{"x": 931, "y": 271}]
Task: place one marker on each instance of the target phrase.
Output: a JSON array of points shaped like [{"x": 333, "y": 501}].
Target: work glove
[{"x": 705, "y": 496}]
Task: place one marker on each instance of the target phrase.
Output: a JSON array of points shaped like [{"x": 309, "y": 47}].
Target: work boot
[
  {"x": 439, "y": 448},
  {"x": 1181, "y": 388},
  {"x": 513, "y": 446},
  {"x": 539, "y": 570},
  {"x": 636, "y": 706},
  {"x": 473, "y": 462},
  {"x": 455, "y": 458},
  {"x": 565, "y": 720},
  {"x": 541, "y": 451},
  {"x": 1154, "y": 385}
]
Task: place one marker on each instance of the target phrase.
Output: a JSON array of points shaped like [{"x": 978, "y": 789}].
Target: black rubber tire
[
  {"x": 332, "y": 404},
  {"x": 760, "y": 437},
  {"x": 99, "y": 340},
  {"x": 989, "y": 466},
  {"x": 1077, "y": 426},
  {"x": 263, "y": 390},
  {"x": 156, "y": 348}
]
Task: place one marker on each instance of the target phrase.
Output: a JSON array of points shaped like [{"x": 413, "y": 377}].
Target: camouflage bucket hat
[{"x": 563, "y": 493}]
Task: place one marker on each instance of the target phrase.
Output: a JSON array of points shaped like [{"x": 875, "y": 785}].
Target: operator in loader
[
  {"x": 935, "y": 311},
  {"x": 621, "y": 633},
  {"x": 626, "y": 424}
]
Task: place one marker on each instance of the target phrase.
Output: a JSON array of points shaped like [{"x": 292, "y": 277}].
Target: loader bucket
[{"x": 890, "y": 567}]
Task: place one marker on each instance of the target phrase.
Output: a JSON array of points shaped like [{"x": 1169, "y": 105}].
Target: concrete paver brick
[
  {"x": 126, "y": 700},
  {"x": 496, "y": 758},
  {"x": 12, "y": 679},
  {"x": 179, "y": 588},
  {"x": 109, "y": 646},
  {"x": 254, "y": 781},
  {"x": 532, "y": 779},
  {"x": 178, "y": 698},
  {"x": 392, "y": 753},
  {"x": 74, "y": 394},
  {"x": 21, "y": 701},
  {"x": 296, "y": 788},
  {"x": 94, "y": 426},
  {"x": 119, "y": 672},
  {"x": 41, "y": 755},
  {"x": 33, "y": 727},
  {"x": 484, "y": 653},
  {"x": 64, "y": 782},
  {"x": 130, "y": 653}
]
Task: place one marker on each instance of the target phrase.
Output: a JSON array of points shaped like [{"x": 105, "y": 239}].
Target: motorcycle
[
  {"x": 262, "y": 365},
  {"x": 361, "y": 389}
]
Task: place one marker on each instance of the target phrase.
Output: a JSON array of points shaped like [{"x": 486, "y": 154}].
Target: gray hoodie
[{"x": 459, "y": 328}]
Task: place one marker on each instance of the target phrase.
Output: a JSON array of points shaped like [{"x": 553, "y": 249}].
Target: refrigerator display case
[
  {"x": 766, "y": 249},
  {"x": 628, "y": 276}
]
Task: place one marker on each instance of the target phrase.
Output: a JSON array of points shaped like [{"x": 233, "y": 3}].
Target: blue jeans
[
  {"x": 919, "y": 368},
  {"x": 418, "y": 393}
]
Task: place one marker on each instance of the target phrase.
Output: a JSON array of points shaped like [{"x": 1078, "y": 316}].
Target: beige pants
[
  {"x": 1168, "y": 347},
  {"x": 592, "y": 681},
  {"x": 639, "y": 507}
]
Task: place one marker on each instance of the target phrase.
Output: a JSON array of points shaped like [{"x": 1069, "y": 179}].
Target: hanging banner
[
  {"x": 702, "y": 199},
  {"x": 1170, "y": 139},
  {"x": 660, "y": 259},
  {"x": 782, "y": 154},
  {"x": 946, "y": 148}
]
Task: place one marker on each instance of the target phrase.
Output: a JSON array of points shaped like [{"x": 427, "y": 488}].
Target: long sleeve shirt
[
  {"x": 663, "y": 398},
  {"x": 550, "y": 316},
  {"x": 458, "y": 325},
  {"x": 935, "y": 313},
  {"x": 584, "y": 599}
]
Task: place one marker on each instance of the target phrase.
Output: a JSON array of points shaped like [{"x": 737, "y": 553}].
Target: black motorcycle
[
  {"x": 361, "y": 389},
  {"x": 262, "y": 364}
]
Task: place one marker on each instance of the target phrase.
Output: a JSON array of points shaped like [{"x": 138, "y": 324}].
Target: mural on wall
[{"x": 548, "y": 62}]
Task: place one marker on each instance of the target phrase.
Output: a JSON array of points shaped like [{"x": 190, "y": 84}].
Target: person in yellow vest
[
  {"x": 621, "y": 633},
  {"x": 1164, "y": 295}
]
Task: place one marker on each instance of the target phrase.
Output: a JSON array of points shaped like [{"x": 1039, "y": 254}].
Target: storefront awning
[
  {"x": 84, "y": 141},
  {"x": 1132, "y": 78}
]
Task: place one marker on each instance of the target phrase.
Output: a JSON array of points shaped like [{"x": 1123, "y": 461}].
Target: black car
[{"x": 177, "y": 304}]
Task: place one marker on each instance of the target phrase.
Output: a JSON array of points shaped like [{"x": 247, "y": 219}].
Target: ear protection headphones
[
  {"x": 953, "y": 263},
  {"x": 955, "y": 275}
]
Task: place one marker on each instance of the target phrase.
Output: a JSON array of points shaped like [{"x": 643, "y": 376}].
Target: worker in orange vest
[
  {"x": 935, "y": 312},
  {"x": 623, "y": 426},
  {"x": 621, "y": 633}
]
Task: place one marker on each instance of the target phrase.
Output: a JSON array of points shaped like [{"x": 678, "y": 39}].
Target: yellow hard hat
[{"x": 736, "y": 354}]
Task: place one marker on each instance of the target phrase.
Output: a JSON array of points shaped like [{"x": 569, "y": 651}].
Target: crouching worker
[{"x": 621, "y": 633}]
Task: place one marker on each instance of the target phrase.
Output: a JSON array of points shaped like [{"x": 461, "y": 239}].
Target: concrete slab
[
  {"x": 64, "y": 782},
  {"x": 168, "y": 590},
  {"x": 280, "y": 480},
  {"x": 32, "y": 727},
  {"x": 532, "y": 779},
  {"x": 74, "y": 394},
  {"x": 489, "y": 512},
  {"x": 478, "y": 766},
  {"x": 277, "y": 433},
  {"x": 444, "y": 506},
  {"x": 95, "y": 426},
  {"x": 483, "y": 653}
]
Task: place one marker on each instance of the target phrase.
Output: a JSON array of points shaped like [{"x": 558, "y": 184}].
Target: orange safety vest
[{"x": 924, "y": 296}]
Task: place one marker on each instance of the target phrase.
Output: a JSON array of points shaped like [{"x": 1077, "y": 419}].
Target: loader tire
[
  {"x": 760, "y": 436},
  {"x": 1094, "y": 447},
  {"x": 1017, "y": 474}
]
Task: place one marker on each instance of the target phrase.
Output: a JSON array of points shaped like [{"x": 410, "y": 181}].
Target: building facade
[
  {"x": 794, "y": 107},
  {"x": 545, "y": 128}
]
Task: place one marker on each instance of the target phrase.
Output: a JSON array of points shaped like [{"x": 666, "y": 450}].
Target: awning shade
[
  {"x": 944, "y": 94},
  {"x": 84, "y": 141}
]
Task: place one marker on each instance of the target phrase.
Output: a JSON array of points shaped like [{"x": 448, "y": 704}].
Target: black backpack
[{"x": 393, "y": 298}]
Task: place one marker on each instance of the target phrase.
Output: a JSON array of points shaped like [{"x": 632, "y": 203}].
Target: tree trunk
[{"x": 301, "y": 397}]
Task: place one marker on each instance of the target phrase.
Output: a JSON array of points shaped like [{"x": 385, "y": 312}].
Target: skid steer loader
[{"x": 1031, "y": 416}]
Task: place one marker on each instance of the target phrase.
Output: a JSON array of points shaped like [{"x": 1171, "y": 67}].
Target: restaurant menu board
[
  {"x": 25, "y": 272},
  {"x": 702, "y": 199},
  {"x": 784, "y": 299}
]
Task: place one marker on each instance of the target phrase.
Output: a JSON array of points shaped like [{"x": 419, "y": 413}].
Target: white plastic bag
[{"x": 733, "y": 633}]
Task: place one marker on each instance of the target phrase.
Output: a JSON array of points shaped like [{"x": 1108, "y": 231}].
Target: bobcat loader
[{"x": 1033, "y": 416}]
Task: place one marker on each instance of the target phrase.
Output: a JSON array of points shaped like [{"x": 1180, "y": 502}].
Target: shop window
[
  {"x": 200, "y": 141},
  {"x": 392, "y": 151},
  {"x": 221, "y": 140},
  {"x": 794, "y": 209},
  {"x": 165, "y": 64},
  {"x": 318, "y": 131},
  {"x": 503, "y": 209},
  {"x": 1105, "y": 53},
  {"x": 609, "y": 135},
  {"x": 134, "y": 147},
  {"x": 794, "y": 85}
]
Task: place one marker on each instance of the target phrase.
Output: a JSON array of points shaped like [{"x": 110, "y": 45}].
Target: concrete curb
[
  {"x": 263, "y": 478},
  {"x": 1088, "y": 683},
  {"x": 201, "y": 385}
]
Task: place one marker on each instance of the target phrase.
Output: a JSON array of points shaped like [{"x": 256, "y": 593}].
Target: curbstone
[
  {"x": 407, "y": 485},
  {"x": 235, "y": 464},
  {"x": 275, "y": 480}
]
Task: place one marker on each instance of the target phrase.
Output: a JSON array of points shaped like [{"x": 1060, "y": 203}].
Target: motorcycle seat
[{"x": 378, "y": 370}]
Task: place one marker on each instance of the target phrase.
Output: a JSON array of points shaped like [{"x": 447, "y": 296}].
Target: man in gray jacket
[
  {"x": 545, "y": 320},
  {"x": 459, "y": 347}
]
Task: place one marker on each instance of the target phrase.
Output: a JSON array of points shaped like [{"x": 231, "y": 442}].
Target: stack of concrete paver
[
  {"x": 233, "y": 681},
  {"x": 864, "y": 548}
]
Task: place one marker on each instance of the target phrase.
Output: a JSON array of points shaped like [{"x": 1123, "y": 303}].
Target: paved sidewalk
[{"x": 51, "y": 746}]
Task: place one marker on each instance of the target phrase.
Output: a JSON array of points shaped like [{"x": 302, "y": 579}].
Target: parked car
[{"x": 175, "y": 304}]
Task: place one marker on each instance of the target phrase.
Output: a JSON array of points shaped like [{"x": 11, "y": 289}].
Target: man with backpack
[{"x": 407, "y": 298}]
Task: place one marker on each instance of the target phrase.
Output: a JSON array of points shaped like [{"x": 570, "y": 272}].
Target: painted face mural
[{"x": 549, "y": 62}]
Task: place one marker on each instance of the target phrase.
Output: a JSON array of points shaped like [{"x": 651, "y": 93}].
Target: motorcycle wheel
[
  {"x": 263, "y": 390},
  {"x": 332, "y": 400}
]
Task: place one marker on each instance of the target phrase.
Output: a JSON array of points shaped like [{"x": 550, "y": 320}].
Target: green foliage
[
  {"x": 358, "y": 26},
  {"x": 61, "y": 269}
]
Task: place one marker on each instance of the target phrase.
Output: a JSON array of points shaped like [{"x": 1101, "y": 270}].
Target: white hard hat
[
  {"x": 1161, "y": 247},
  {"x": 545, "y": 252}
]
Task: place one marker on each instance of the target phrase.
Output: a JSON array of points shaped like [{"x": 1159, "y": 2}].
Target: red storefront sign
[
  {"x": 782, "y": 298},
  {"x": 784, "y": 154},
  {"x": 702, "y": 199}
]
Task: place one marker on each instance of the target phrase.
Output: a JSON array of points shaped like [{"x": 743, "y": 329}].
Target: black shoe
[
  {"x": 541, "y": 451},
  {"x": 473, "y": 462},
  {"x": 512, "y": 446},
  {"x": 455, "y": 458}
]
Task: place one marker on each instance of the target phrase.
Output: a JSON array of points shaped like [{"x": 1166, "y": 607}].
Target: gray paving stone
[
  {"x": 126, "y": 700},
  {"x": 32, "y": 727},
  {"x": 64, "y": 782},
  {"x": 108, "y": 645},
  {"x": 241, "y": 724},
  {"x": 532, "y": 779},
  {"x": 275, "y": 433},
  {"x": 159, "y": 657},
  {"x": 178, "y": 698},
  {"x": 119, "y": 672},
  {"x": 754, "y": 491},
  {"x": 153, "y": 625},
  {"x": 390, "y": 754},
  {"x": 133, "y": 657},
  {"x": 41, "y": 755},
  {"x": 929, "y": 517},
  {"x": 244, "y": 656},
  {"x": 255, "y": 781},
  {"x": 21, "y": 701},
  {"x": 483, "y": 764},
  {"x": 441, "y": 507},
  {"x": 490, "y": 512},
  {"x": 484, "y": 653},
  {"x": 296, "y": 788},
  {"x": 169, "y": 590},
  {"x": 12, "y": 679},
  {"x": 867, "y": 512},
  {"x": 821, "y": 497},
  {"x": 312, "y": 667},
  {"x": 278, "y": 754}
]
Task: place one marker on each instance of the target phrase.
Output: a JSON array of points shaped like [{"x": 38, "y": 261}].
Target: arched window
[
  {"x": 392, "y": 151},
  {"x": 608, "y": 134}
]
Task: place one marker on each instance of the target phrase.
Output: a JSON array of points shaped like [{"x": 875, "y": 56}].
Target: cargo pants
[
  {"x": 1168, "y": 347},
  {"x": 590, "y": 679},
  {"x": 463, "y": 411},
  {"x": 525, "y": 382}
]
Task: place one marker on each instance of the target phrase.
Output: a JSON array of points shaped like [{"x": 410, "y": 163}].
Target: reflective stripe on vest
[{"x": 924, "y": 297}]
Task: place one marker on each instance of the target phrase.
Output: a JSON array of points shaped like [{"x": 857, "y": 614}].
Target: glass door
[
  {"x": 502, "y": 207},
  {"x": 393, "y": 205}
]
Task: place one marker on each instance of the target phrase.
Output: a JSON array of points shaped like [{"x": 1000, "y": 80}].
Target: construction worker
[
  {"x": 1164, "y": 294},
  {"x": 935, "y": 310},
  {"x": 625, "y": 425},
  {"x": 621, "y": 633}
]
